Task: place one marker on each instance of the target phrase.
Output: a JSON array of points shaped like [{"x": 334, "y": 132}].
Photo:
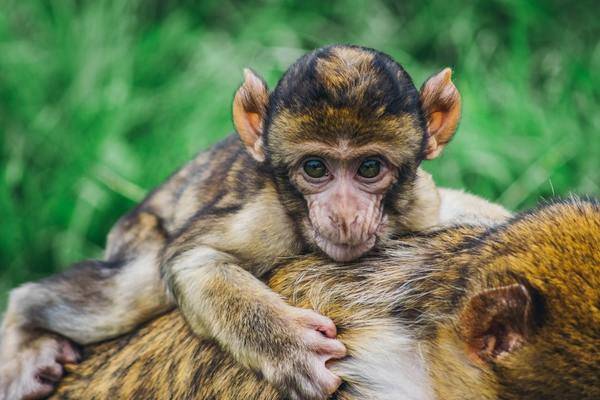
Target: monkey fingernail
[{"x": 329, "y": 332}]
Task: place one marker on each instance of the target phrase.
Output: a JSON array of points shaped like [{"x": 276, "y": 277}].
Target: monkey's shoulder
[
  {"x": 210, "y": 180},
  {"x": 223, "y": 199},
  {"x": 216, "y": 182},
  {"x": 257, "y": 229}
]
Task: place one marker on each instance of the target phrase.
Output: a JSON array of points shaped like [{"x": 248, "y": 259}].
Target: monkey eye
[
  {"x": 315, "y": 168},
  {"x": 369, "y": 168}
]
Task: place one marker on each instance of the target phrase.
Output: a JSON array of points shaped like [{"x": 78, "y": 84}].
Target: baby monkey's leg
[
  {"x": 90, "y": 302},
  {"x": 289, "y": 345}
]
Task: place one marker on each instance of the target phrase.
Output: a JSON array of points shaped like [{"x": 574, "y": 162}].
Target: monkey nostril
[
  {"x": 333, "y": 220},
  {"x": 343, "y": 228}
]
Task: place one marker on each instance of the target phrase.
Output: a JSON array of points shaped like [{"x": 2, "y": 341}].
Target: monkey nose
[
  {"x": 344, "y": 225},
  {"x": 339, "y": 224}
]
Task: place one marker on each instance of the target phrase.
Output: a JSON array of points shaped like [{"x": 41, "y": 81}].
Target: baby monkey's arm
[{"x": 219, "y": 299}]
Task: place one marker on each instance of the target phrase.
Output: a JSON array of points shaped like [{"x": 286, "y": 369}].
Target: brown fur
[
  {"x": 216, "y": 227},
  {"x": 423, "y": 284}
]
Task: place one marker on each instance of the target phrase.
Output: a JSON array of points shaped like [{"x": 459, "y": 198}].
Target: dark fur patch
[{"x": 378, "y": 97}]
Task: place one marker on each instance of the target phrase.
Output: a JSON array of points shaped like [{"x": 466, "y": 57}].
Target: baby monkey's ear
[
  {"x": 441, "y": 103},
  {"x": 249, "y": 111},
  {"x": 497, "y": 321}
]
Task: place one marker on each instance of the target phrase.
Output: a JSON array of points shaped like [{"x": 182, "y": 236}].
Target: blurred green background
[{"x": 101, "y": 100}]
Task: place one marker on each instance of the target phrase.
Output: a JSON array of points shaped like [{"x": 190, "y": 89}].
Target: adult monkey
[
  {"x": 331, "y": 165},
  {"x": 464, "y": 313}
]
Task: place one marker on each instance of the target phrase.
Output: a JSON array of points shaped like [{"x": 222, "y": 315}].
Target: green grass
[{"x": 101, "y": 100}]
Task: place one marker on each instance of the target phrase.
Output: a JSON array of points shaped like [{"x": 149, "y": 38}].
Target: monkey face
[
  {"x": 344, "y": 194},
  {"x": 342, "y": 172},
  {"x": 340, "y": 129},
  {"x": 339, "y": 174}
]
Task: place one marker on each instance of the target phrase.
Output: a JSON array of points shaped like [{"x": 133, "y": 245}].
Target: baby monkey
[{"x": 327, "y": 162}]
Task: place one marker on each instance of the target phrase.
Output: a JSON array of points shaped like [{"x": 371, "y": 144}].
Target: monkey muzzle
[
  {"x": 344, "y": 252},
  {"x": 345, "y": 222},
  {"x": 345, "y": 239}
]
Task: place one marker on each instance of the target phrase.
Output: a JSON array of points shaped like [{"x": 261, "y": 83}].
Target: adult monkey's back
[
  {"x": 465, "y": 313},
  {"x": 327, "y": 162}
]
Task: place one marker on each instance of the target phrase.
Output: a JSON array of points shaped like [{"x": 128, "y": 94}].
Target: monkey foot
[{"x": 34, "y": 372}]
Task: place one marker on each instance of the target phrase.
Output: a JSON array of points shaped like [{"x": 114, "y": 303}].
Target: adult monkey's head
[{"x": 343, "y": 133}]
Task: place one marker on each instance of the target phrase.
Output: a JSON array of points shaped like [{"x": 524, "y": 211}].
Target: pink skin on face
[{"x": 345, "y": 208}]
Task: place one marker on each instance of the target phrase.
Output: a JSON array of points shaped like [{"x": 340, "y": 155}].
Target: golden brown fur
[
  {"x": 217, "y": 226},
  {"x": 421, "y": 288}
]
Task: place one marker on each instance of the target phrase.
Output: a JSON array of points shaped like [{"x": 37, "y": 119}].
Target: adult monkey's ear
[
  {"x": 249, "y": 111},
  {"x": 441, "y": 103},
  {"x": 497, "y": 321}
]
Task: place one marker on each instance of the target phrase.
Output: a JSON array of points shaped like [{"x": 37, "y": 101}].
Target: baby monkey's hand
[{"x": 298, "y": 369}]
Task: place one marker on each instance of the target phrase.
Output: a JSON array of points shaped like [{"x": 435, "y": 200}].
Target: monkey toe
[
  {"x": 49, "y": 374},
  {"x": 39, "y": 390},
  {"x": 68, "y": 353}
]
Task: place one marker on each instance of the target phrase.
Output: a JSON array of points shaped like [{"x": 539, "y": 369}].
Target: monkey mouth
[{"x": 344, "y": 252}]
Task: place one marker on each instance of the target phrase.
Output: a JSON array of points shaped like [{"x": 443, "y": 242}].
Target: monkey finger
[
  {"x": 325, "y": 346},
  {"x": 329, "y": 381},
  {"x": 317, "y": 322},
  {"x": 332, "y": 349},
  {"x": 328, "y": 329}
]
